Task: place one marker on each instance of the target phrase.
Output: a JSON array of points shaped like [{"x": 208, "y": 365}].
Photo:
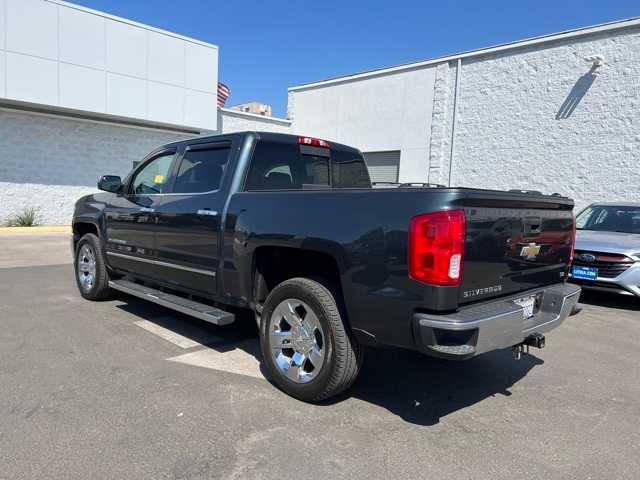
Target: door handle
[
  {"x": 147, "y": 210},
  {"x": 206, "y": 211}
]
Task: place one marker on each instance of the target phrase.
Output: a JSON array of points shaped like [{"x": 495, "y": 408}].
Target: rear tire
[
  {"x": 308, "y": 351},
  {"x": 90, "y": 269}
]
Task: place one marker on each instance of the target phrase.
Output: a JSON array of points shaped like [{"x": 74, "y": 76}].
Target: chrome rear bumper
[{"x": 493, "y": 325}]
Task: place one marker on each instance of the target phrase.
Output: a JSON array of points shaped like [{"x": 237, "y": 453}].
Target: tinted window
[
  {"x": 201, "y": 170},
  {"x": 349, "y": 170},
  {"x": 281, "y": 166},
  {"x": 610, "y": 218},
  {"x": 153, "y": 177}
]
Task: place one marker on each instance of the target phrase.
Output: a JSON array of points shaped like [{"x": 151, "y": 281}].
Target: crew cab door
[
  {"x": 131, "y": 217},
  {"x": 189, "y": 220}
]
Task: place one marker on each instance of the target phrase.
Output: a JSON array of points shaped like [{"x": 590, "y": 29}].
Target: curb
[{"x": 40, "y": 229}]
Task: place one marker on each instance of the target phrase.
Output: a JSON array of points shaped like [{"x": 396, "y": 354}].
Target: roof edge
[
  {"x": 255, "y": 116},
  {"x": 144, "y": 26},
  {"x": 577, "y": 32}
]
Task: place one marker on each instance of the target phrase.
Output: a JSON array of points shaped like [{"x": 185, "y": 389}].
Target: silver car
[{"x": 607, "y": 252}]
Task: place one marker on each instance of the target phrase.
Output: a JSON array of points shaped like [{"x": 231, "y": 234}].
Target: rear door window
[{"x": 201, "y": 169}]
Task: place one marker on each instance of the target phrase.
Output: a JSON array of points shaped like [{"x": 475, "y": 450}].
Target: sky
[{"x": 267, "y": 46}]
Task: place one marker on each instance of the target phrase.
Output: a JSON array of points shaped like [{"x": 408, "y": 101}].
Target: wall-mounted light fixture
[{"x": 595, "y": 60}]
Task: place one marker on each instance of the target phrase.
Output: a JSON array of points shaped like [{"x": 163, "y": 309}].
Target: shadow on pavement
[
  {"x": 422, "y": 390},
  {"x": 415, "y": 387},
  {"x": 609, "y": 300}
]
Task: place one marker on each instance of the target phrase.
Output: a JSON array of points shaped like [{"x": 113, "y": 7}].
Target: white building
[
  {"x": 258, "y": 108},
  {"x": 559, "y": 113},
  {"x": 83, "y": 93}
]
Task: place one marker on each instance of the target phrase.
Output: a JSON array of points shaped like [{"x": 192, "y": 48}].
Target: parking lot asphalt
[{"x": 124, "y": 389}]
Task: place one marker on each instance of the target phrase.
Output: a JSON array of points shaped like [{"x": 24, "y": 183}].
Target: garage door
[{"x": 383, "y": 166}]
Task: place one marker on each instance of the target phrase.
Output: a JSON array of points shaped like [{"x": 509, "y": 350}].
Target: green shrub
[{"x": 27, "y": 218}]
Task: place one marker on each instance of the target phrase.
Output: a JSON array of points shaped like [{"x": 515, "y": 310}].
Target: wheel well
[
  {"x": 82, "y": 228},
  {"x": 274, "y": 265}
]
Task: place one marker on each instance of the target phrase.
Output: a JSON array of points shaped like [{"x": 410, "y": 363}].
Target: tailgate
[{"x": 514, "y": 245}]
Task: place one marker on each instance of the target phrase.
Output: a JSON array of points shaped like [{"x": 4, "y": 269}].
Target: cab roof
[{"x": 270, "y": 136}]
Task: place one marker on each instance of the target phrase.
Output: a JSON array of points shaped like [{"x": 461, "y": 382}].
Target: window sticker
[{"x": 159, "y": 179}]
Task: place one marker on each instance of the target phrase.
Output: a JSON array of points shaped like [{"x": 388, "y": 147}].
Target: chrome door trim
[
  {"x": 210, "y": 273},
  {"x": 204, "y": 211}
]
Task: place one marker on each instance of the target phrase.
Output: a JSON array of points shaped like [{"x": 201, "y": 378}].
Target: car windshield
[{"x": 609, "y": 218}]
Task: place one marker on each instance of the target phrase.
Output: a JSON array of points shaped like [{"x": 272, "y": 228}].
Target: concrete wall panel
[
  {"x": 77, "y": 39},
  {"x": 82, "y": 88},
  {"x": 201, "y": 68},
  {"x": 126, "y": 96},
  {"x": 384, "y": 113},
  {"x": 126, "y": 49},
  {"x": 166, "y": 61},
  {"x": 3, "y": 74},
  {"x": 32, "y": 28},
  {"x": 32, "y": 79},
  {"x": 82, "y": 38},
  {"x": 166, "y": 102},
  {"x": 2, "y": 24},
  {"x": 200, "y": 109}
]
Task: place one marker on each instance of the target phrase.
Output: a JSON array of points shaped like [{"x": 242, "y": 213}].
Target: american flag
[{"x": 223, "y": 94}]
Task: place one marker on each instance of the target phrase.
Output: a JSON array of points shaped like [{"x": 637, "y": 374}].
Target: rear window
[
  {"x": 349, "y": 170},
  {"x": 284, "y": 166}
]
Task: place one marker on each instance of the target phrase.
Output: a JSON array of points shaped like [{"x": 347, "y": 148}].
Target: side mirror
[{"x": 110, "y": 183}]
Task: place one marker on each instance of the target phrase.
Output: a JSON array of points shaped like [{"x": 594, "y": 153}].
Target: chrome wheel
[
  {"x": 296, "y": 340},
  {"x": 86, "y": 268}
]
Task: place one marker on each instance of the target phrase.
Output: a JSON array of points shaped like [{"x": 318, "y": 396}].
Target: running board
[{"x": 183, "y": 305}]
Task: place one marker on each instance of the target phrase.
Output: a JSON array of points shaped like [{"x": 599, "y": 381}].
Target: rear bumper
[{"x": 493, "y": 325}]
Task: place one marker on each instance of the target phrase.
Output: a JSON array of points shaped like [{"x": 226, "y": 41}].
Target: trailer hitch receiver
[{"x": 535, "y": 340}]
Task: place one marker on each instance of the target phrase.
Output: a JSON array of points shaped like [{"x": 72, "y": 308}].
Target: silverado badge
[{"x": 530, "y": 251}]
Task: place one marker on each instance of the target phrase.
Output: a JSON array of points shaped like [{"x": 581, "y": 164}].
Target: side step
[{"x": 183, "y": 305}]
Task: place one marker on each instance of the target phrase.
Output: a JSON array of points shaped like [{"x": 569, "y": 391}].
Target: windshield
[{"x": 609, "y": 218}]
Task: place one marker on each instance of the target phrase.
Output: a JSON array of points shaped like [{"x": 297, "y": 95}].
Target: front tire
[
  {"x": 307, "y": 350},
  {"x": 90, "y": 269}
]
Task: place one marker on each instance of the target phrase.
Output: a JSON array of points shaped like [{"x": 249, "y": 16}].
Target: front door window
[{"x": 152, "y": 178}]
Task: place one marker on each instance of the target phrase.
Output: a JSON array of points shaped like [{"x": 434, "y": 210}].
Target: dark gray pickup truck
[{"x": 290, "y": 230}]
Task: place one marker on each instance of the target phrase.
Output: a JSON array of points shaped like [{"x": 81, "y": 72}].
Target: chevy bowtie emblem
[{"x": 530, "y": 251}]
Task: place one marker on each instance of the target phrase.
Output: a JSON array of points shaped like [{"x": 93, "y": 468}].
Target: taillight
[
  {"x": 573, "y": 240},
  {"x": 436, "y": 247},
  {"x": 314, "y": 142}
]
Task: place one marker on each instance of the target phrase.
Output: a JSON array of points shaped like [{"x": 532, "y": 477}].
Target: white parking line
[
  {"x": 243, "y": 359},
  {"x": 170, "y": 335}
]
